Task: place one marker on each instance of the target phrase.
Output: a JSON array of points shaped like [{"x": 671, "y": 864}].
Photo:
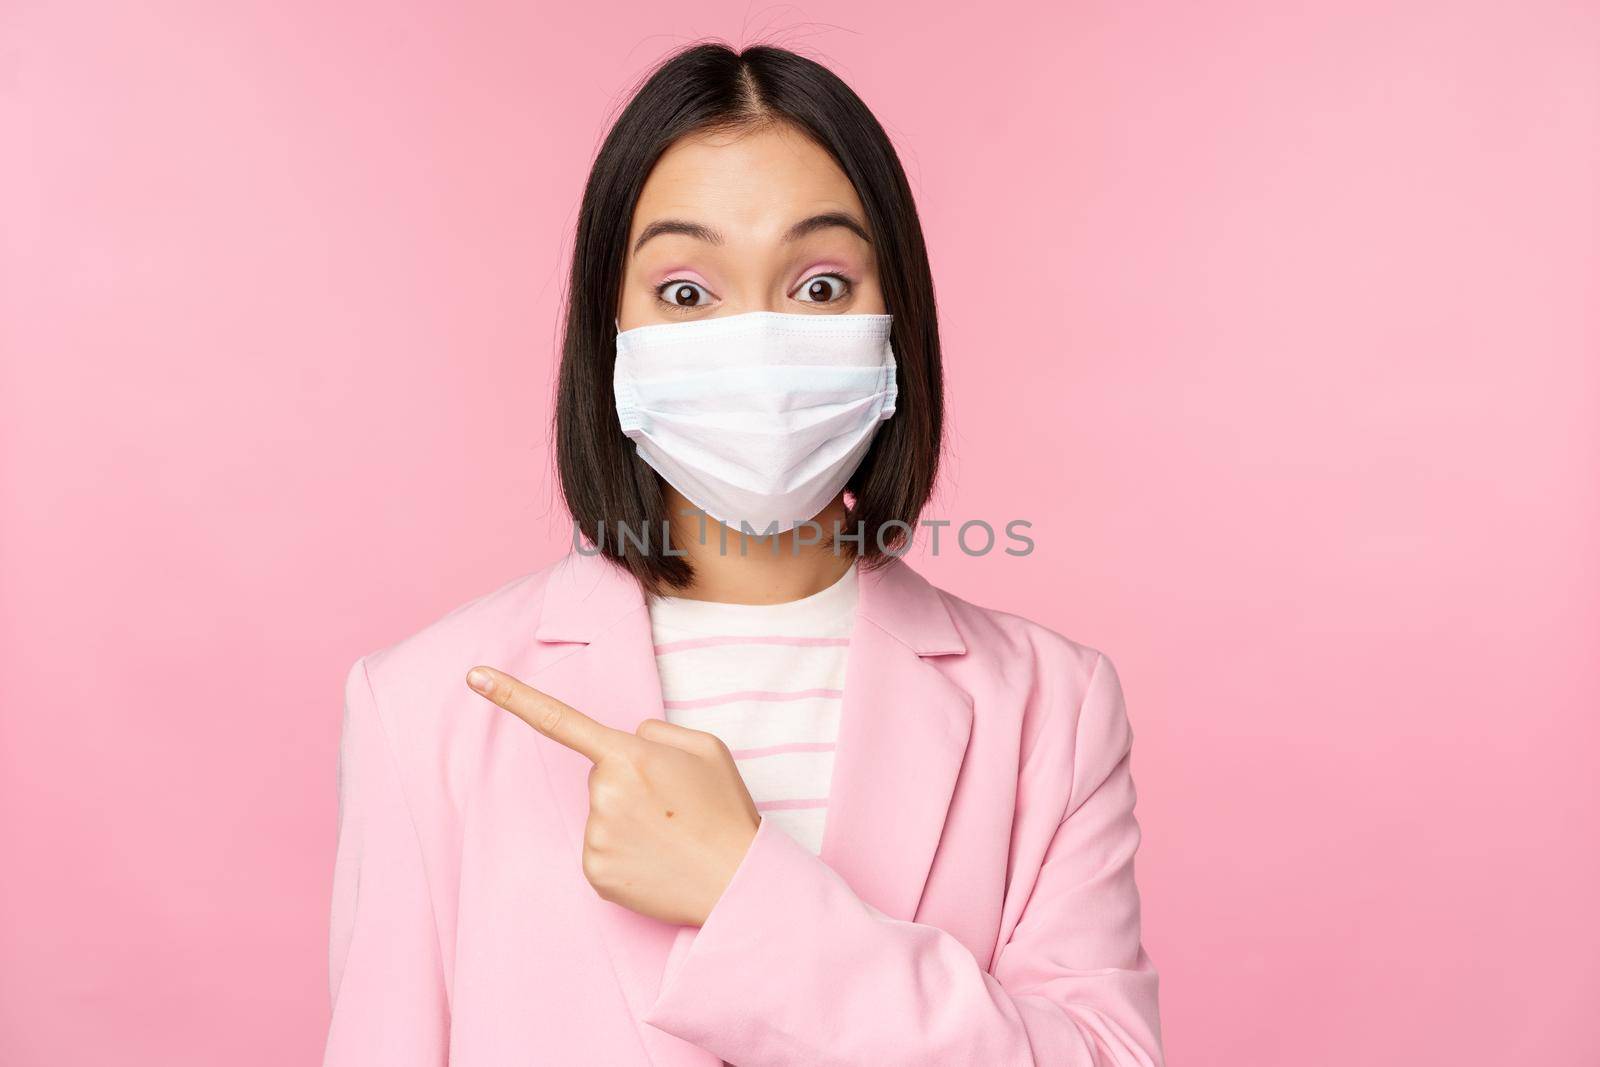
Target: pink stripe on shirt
[
  {"x": 788, "y": 805},
  {"x": 793, "y": 746},
  {"x": 752, "y": 694}
]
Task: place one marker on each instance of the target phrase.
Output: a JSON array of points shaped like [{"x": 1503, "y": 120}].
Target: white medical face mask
[{"x": 757, "y": 418}]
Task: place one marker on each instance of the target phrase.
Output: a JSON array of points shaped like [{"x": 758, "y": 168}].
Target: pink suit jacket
[{"x": 974, "y": 901}]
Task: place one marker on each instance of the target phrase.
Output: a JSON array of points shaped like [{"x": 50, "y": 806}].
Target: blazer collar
[
  {"x": 585, "y": 594},
  {"x": 903, "y": 735}
]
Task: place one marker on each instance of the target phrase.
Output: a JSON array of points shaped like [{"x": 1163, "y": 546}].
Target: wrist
[{"x": 732, "y": 857}]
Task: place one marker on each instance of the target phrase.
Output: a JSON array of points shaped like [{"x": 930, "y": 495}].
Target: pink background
[{"x": 1279, "y": 324}]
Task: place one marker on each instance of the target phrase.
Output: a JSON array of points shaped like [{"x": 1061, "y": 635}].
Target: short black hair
[{"x": 707, "y": 87}]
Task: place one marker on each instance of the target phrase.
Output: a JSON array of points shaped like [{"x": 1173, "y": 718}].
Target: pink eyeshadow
[
  {"x": 828, "y": 267},
  {"x": 676, "y": 273}
]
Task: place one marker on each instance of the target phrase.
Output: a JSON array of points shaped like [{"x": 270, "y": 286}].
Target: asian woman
[{"x": 730, "y": 782}]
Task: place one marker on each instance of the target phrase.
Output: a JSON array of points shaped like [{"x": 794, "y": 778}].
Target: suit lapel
[
  {"x": 610, "y": 676},
  {"x": 903, "y": 733}
]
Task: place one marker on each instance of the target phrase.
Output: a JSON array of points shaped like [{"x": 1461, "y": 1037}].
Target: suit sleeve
[
  {"x": 791, "y": 967},
  {"x": 384, "y": 965}
]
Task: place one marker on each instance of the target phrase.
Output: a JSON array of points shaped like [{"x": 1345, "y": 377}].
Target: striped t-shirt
[{"x": 768, "y": 679}]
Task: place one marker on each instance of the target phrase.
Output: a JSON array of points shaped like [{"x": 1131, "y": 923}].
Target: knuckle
[
  {"x": 549, "y": 718},
  {"x": 602, "y": 792},
  {"x": 625, "y": 763},
  {"x": 639, "y": 761}
]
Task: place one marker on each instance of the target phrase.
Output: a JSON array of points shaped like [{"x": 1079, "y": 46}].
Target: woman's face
[{"x": 751, "y": 221}]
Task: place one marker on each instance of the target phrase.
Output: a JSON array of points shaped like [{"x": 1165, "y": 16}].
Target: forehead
[{"x": 748, "y": 184}]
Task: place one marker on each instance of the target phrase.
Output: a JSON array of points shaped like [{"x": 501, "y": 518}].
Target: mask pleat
[{"x": 760, "y": 417}]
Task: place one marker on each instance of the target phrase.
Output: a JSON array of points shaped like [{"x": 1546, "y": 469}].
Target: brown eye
[
  {"x": 822, "y": 289},
  {"x": 682, "y": 294}
]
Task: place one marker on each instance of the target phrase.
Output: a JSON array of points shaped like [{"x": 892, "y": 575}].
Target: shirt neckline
[{"x": 828, "y": 608}]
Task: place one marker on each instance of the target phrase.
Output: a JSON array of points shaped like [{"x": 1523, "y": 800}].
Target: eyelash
[
  {"x": 849, "y": 287},
  {"x": 669, "y": 305}
]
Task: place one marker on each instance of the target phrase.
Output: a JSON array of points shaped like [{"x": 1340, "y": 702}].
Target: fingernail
[{"x": 480, "y": 680}]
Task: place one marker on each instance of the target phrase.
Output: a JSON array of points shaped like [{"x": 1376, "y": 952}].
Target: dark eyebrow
[
  {"x": 710, "y": 236},
  {"x": 688, "y": 229},
  {"x": 823, "y": 221}
]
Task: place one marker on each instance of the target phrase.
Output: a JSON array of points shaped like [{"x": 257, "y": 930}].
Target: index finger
[{"x": 558, "y": 721}]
